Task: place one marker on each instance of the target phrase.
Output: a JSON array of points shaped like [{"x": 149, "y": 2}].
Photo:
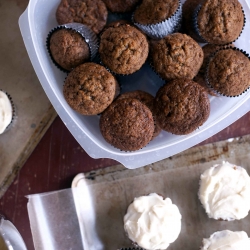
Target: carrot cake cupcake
[
  {"x": 225, "y": 192},
  {"x": 89, "y": 89},
  {"x": 176, "y": 56},
  {"x": 123, "y": 49},
  {"x": 127, "y": 124},
  {"x": 92, "y": 13},
  {"x": 152, "y": 222}
]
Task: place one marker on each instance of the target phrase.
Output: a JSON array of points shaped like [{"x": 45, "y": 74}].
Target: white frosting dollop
[
  {"x": 227, "y": 240},
  {"x": 5, "y": 111},
  {"x": 225, "y": 192},
  {"x": 152, "y": 222}
]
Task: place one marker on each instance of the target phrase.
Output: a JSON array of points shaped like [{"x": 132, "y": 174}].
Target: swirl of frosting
[
  {"x": 152, "y": 222},
  {"x": 225, "y": 192},
  {"x": 5, "y": 112},
  {"x": 227, "y": 240}
]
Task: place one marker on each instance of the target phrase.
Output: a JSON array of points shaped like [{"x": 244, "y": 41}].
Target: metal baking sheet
[
  {"x": 17, "y": 77},
  {"x": 114, "y": 188}
]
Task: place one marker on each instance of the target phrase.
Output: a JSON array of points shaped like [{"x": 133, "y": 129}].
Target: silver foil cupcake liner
[
  {"x": 196, "y": 27},
  {"x": 217, "y": 93},
  {"x": 14, "y": 111},
  {"x": 164, "y": 28},
  {"x": 88, "y": 35}
]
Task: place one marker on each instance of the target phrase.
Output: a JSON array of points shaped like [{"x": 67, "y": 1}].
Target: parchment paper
[{"x": 102, "y": 198}]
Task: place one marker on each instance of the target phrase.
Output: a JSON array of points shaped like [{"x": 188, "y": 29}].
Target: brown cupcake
[
  {"x": 152, "y": 12},
  {"x": 158, "y": 18},
  {"x": 187, "y": 19},
  {"x": 228, "y": 72},
  {"x": 127, "y": 124},
  {"x": 68, "y": 48},
  {"x": 220, "y": 22},
  {"x": 89, "y": 89},
  {"x": 121, "y": 6},
  {"x": 92, "y": 13},
  {"x": 208, "y": 50},
  {"x": 181, "y": 106},
  {"x": 146, "y": 99},
  {"x": 123, "y": 49},
  {"x": 176, "y": 56}
]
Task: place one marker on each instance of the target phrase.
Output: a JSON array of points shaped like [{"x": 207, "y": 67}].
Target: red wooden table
[{"x": 54, "y": 163}]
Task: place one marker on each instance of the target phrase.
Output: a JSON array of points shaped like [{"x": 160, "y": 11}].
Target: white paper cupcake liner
[
  {"x": 164, "y": 28},
  {"x": 217, "y": 93},
  {"x": 88, "y": 35},
  {"x": 196, "y": 27}
]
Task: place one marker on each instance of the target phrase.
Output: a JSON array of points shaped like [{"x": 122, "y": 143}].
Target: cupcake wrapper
[
  {"x": 207, "y": 78},
  {"x": 162, "y": 29},
  {"x": 14, "y": 111},
  {"x": 196, "y": 28},
  {"x": 88, "y": 35}
]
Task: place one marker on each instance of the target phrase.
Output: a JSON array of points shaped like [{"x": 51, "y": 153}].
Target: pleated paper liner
[
  {"x": 210, "y": 86},
  {"x": 14, "y": 111},
  {"x": 197, "y": 31},
  {"x": 163, "y": 28},
  {"x": 88, "y": 35}
]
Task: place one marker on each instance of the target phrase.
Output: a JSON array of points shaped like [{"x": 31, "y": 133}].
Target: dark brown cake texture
[
  {"x": 121, "y": 6},
  {"x": 123, "y": 49},
  {"x": 181, "y": 106},
  {"x": 152, "y": 12},
  {"x": 228, "y": 72},
  {"x": 220, "y": 22},
  {"x": 92, "y": 13},
  {"x": 146, "y": 99},
  {"x": 127, "y": 124},
  {"x": 68, "y": 48},
  {"x": 89, "y": 89},
  {"x": 187, "y": 19},
  {"x": 176, "y": 56},
  {"x": 208, "y": 50}
]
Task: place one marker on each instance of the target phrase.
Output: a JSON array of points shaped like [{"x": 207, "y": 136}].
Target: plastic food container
[{"x": 35, "y": 23}]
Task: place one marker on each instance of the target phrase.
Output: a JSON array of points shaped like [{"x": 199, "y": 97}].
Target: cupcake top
[
  {"x": 123, "y": 49},
  {"x": 228, "y": 72},
  {"x": 208, "y": 50},
  {"x": 92, "y": 13},
  {"x": 152, "y": 222},
  {"x": 176, "y": 56},
  {"x": 225, "y": 192},
  {"x": 90, "y": 88},
  {"x": 68, "y": 48},
  {"x": 146, "y": 99},
  {"x": 220, "y": 22},
  {"x": 181, "y": 106},
  {"x": 227, "y": 240},
  {"x": 121, "y": 6},
  {"x": 155, "y": 11},
  {"x": 127, "y": 124},
  {"x": 5, "y": 111}
]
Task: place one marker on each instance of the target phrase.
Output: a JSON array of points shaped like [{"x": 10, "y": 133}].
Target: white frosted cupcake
[
  {"x": 152, "y": 222},
  {"x": 225, "y": 192},
  {"x": 227, "y": 240},
  {"x": 7, "y": 111}
]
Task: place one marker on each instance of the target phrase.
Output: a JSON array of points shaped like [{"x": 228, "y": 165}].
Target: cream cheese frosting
[
  {"x": 152, "y": 222},
  {"x": 5, "y": 111},
  {"x": 225, "y": 191},
  {"x": 227, "y": 240}
]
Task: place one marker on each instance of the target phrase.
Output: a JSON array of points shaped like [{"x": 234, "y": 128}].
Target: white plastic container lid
[{"x": 36, "y": 22}]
